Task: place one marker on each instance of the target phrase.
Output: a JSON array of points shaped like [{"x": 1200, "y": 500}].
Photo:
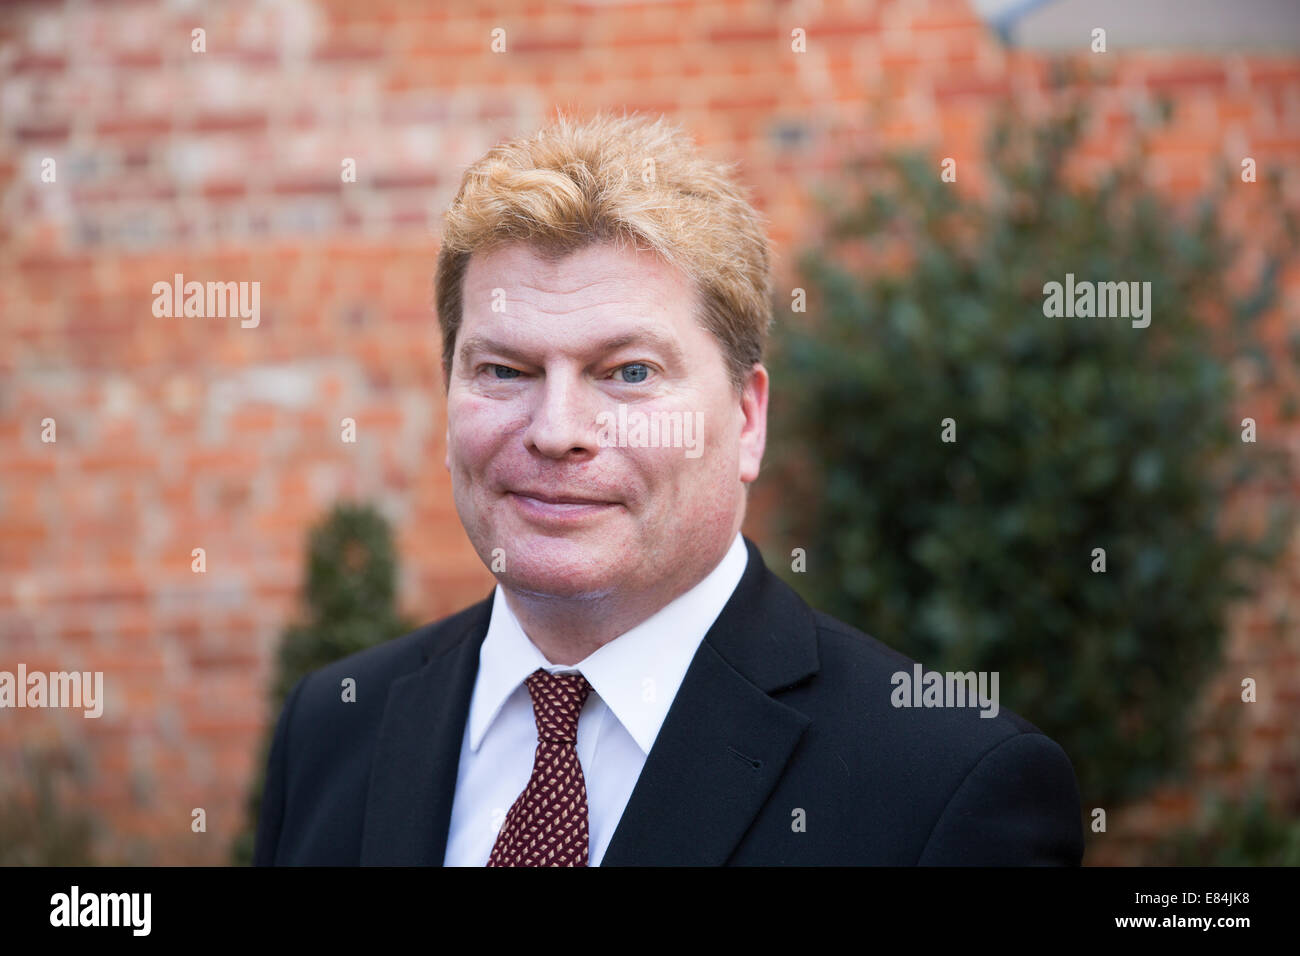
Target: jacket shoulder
[
  {"x": 842, "y": 645},
  {"x": 946, "y": 784}
]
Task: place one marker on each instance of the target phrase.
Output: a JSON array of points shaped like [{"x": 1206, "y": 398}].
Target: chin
[
  {"x": 549, "y": 582},
  {"x": 562, "y": 567}
]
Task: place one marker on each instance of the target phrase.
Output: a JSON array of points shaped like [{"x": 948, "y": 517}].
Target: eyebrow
[{"x": 648, "y": 337}]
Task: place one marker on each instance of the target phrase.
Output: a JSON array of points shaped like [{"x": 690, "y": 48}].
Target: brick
[
  {"x": 225, "y": 189},
  {"x": 413, "y": 179},
  {"x": 252, "y": 121},
  {"x": 348, "y": 51},
  {"x": 30, "y": 61},
  {"x": 43, "y": 133},
  {"x": 664, "y": 38},
  {"x": 832, "y": 29},
  {"x": 745, "y": 33},
  {"x": 306, "y": 186},
  {"x": 531, "y": 43},
  {"x": 137, "y": 60},
  {"x": 1211, "y": 76},
  {"x": 134, "y": 126},
  {"x": 964, "y": 85}
]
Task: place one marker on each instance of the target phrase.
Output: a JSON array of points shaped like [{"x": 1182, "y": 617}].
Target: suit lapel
[
  {"x": 726, "y": 741},
  {"x": 413, "y": 777}
]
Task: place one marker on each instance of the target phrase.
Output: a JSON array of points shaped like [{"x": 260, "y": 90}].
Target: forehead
[{"x": 599, "y": 276}]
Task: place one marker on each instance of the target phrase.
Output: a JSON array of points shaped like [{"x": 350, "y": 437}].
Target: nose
[{"x": 563, "y": 419}]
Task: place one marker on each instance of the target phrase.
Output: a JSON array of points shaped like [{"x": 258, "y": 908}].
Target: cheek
[
  {"x": 684, "y": 486},
  {"x": 715, "y": 470},
  {"x": 477, "y": 429},
  {"x": 716, "y": 473}
]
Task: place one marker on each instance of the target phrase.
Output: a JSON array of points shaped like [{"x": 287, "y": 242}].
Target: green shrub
[
  {"x": 1071, "y": 434},
  {"x": 38, "y": 827},
  {"x": 350, "y": 595}
]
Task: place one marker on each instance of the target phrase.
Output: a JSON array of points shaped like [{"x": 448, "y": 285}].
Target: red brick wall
[{"x": 224, "y": 165}]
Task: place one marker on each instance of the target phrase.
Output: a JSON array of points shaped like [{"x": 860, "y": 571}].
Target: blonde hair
[{"x": 629, "y": 180}]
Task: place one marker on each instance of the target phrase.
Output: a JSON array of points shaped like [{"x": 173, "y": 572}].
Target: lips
[
  {"x": 559, "y": 498},
  {"x": 559, "y": 510}
]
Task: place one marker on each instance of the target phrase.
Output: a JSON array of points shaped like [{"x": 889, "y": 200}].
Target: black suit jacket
[{"x": 783, "y": 709}]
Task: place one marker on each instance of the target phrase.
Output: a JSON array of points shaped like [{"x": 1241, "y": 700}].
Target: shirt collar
[{"x": 637, "y": 674}]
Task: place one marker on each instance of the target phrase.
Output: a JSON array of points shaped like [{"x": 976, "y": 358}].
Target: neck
[{"x": 569, "y": 629}]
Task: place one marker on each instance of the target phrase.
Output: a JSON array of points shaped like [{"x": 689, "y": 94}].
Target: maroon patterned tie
[{"x": 547, "y": 826}]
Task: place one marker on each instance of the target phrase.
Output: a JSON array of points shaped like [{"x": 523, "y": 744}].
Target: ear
[{"x": 753, "y": 432}]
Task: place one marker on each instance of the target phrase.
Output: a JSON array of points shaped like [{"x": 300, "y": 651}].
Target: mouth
[{"x": 557, "y": 509}]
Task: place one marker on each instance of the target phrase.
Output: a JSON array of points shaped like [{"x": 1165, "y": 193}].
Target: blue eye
[
  {"x": 514, "y": 372},
  {"x": 636, "y": 379}
]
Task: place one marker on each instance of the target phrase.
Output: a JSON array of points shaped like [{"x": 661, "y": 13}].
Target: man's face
[{"x": 541, "y": 466}]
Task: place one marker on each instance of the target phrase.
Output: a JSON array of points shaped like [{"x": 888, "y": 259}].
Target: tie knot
[{"x": 557, "y": 701}]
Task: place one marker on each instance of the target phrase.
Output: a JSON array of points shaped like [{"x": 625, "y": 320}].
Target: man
[{"x": 638, "y": 688}]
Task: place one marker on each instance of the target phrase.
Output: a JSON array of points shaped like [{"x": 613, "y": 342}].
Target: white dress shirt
[{"x": 633, "y": 679}]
